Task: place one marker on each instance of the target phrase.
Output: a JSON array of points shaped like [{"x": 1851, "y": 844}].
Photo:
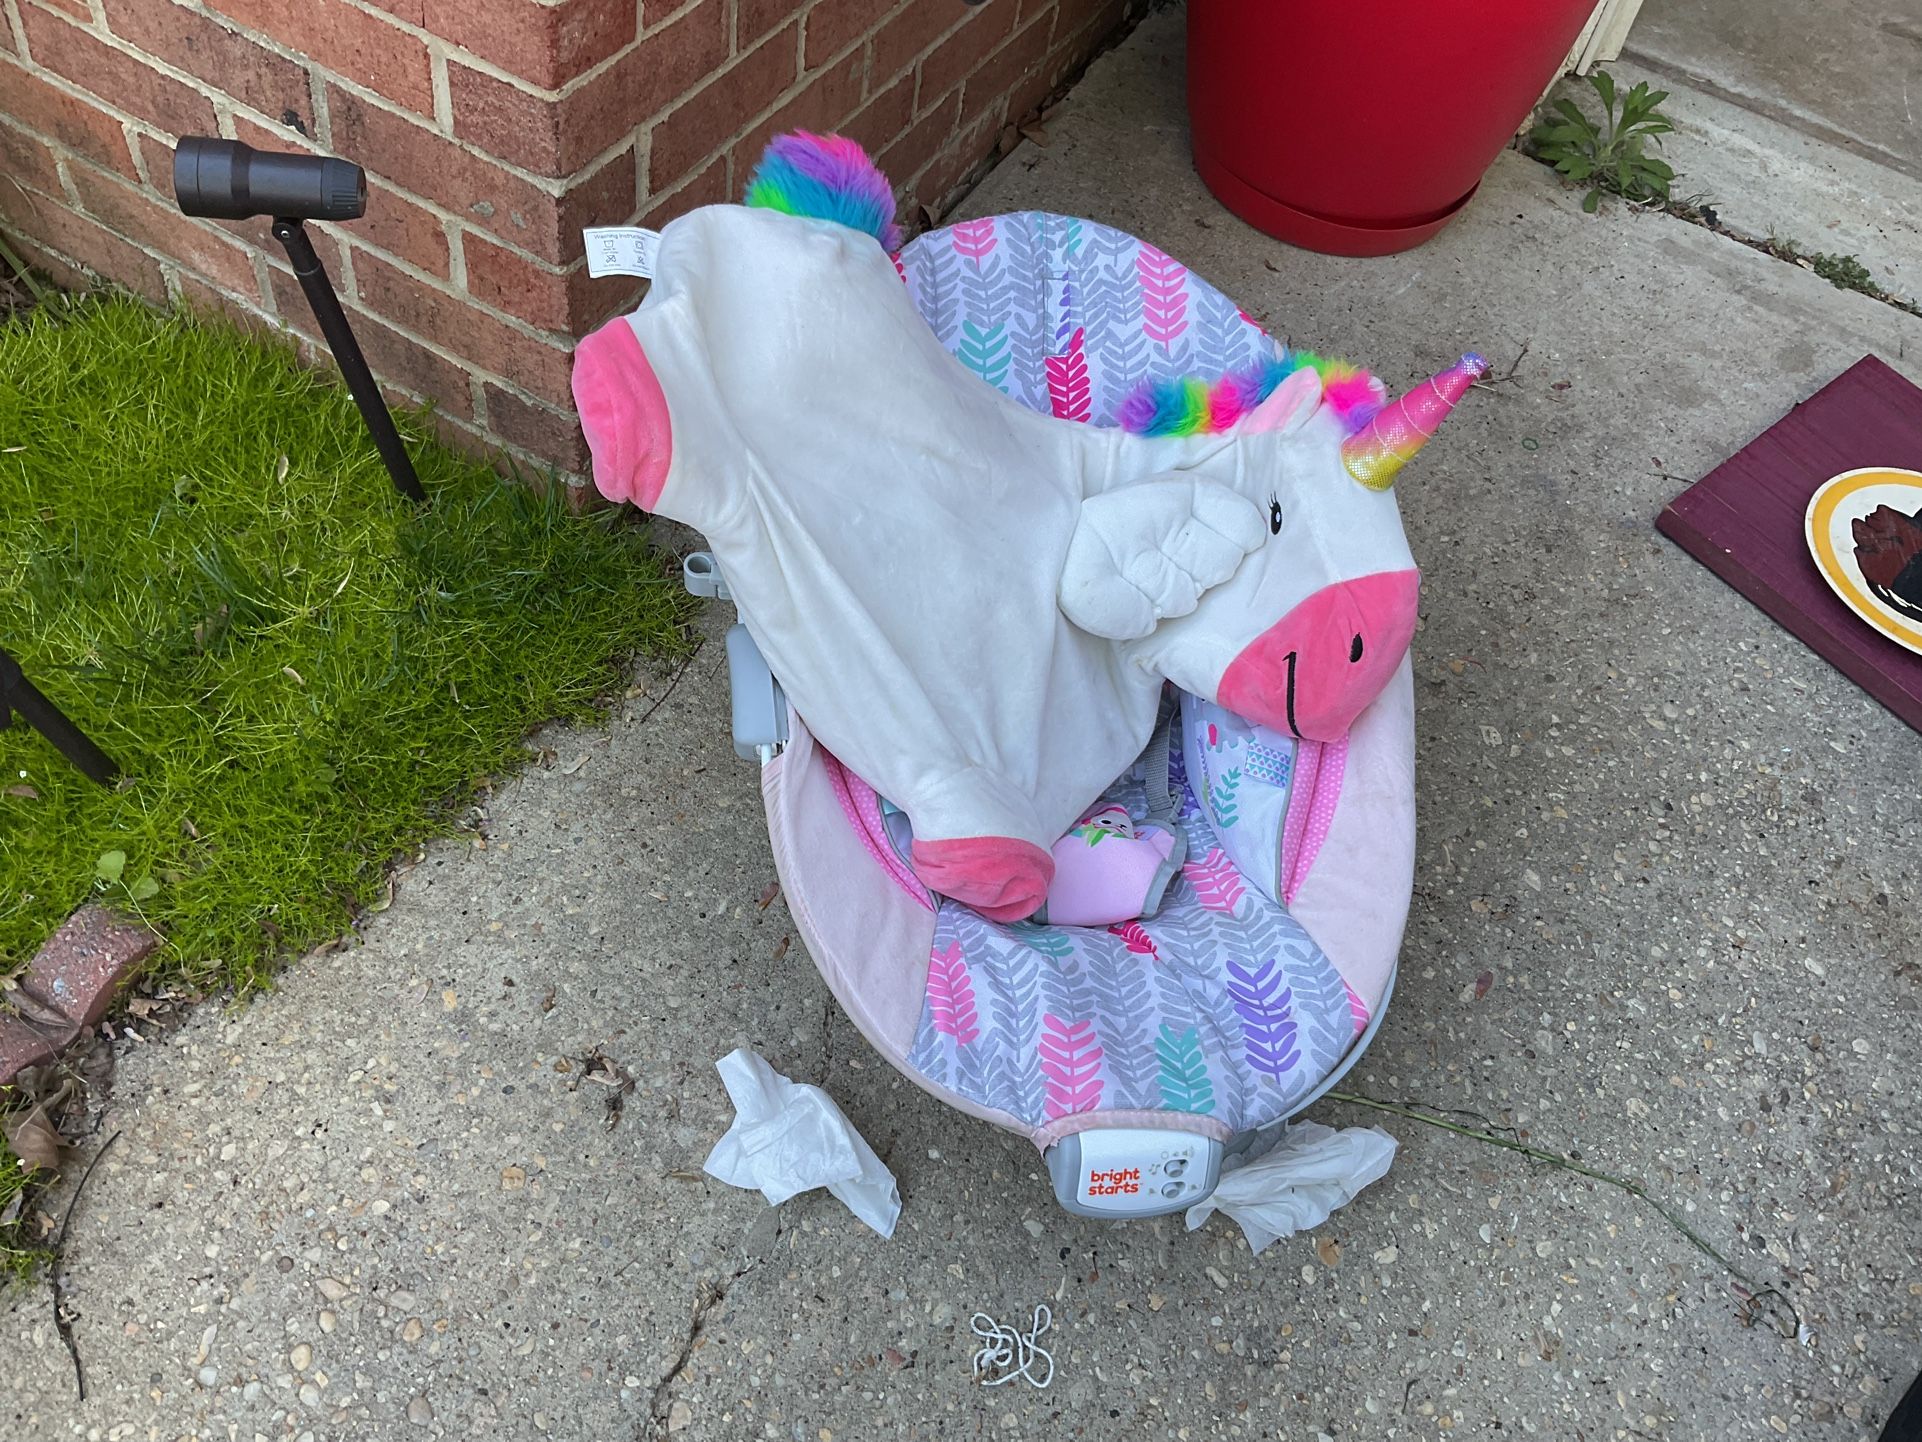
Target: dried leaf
[
  {"x": 35, "y": 1140},
  {"x": 1036, "y": 133},
  {"x": 767, "y": 896},
  {"x": 1329, "y": 1250},
  {"x": 780, "y": 948},
  {"x": 291, "y": 674},
  {"x": 1483, "y": 983},
  {"x": 23, "y": 791},
  {"x": 280, "y": 470}
]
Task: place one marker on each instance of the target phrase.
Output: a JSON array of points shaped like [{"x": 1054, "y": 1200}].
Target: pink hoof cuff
[
  {"x": 1000, "y": 877},
  {"x": 623, "y": 414}
]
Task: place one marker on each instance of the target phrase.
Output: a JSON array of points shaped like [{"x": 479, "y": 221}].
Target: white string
[{"x": 1002, "y": 1346}]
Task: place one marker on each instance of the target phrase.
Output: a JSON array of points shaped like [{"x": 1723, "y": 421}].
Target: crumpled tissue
[
  {"x": 789, "y": 1137},
  {"x": 1296, "y": 1183}
]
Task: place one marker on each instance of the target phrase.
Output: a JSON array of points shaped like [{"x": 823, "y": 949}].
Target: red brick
[
  {"x": 244, "y": 311},
  {"x": 833, "y": 25},
  {"x": 876, "y": 124},
  {"x": 400, "y": 227},
  {"x": 501, "y": 118},
  {"x": 432, "y": 167},
  {"x": 126, "y": 82},
  {"x": 544, "y": 430},
  {"x": 363, "y": 48},
  {"x": 756, "y": 17},
  {"x": 605, "y": 197},
  {"x": 414, "y": 12},
  {"x": 76, "y": 8},
  {"x": 556, "y": 137},
  {"x": 32, "y": 102},
  {"x": 990, "y": 88},
  {"x": 698, "y": 127},
  {"x": 50, "y": 225},
  {"x": 85, "y": 962},
  {"x": 547, "y": 45},
  {"x": 913, "y": 29},
  {"x": 951, "y": 61},
  {"x": 508, "y": 281},
  {"x": 395, "y": 359},
  {"x": 160, "y": 227},
  {"x": 952, "y": 164},
  {"x": 1090, "y": 19},
  {"x": 201, "y": 46},
  {"x": 434, "y": 315},
  {"x": 905, "y": 158},
  {"x": 830, "y": 98},
  {"x": 710, "y": 187},
  {"x": 25, "y": 160}
]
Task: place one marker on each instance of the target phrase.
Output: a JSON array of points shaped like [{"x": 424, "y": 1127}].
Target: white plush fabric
[{"x": 902, "y": 539}]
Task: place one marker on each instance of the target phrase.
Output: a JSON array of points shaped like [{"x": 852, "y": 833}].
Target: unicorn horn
[{"x": 1379, "y": 449}]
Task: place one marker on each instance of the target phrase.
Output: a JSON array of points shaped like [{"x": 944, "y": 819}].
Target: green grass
[{"x": 203, "y": 563}]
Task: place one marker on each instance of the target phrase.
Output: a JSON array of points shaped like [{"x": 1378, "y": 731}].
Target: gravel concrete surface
[{"x": 1665, "y": 917}]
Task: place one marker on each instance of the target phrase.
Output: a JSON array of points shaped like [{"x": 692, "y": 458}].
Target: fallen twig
[
  {"x": 60, "y": 1321},
  {"x": 1555, "y": 1159},
  {"x": 682, "y": 671}
]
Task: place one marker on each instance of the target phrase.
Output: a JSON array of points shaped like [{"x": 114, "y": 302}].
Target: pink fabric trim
[
  {"x": 623, "y": 414},
  {"x": 862, "y": 803},
  {"x": 1003, "y": 878},
  {"x": 1048, "y": 1133},
  {"x": 1319, "y": 768}
]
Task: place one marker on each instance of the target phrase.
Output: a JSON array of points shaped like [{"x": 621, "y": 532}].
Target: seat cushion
[{"x": 1220, "y": 1006}]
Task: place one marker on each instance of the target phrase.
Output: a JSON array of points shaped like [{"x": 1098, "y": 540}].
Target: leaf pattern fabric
[
  {"x": 1227, "y": 1011},
  {"x": 1220, "y": 1005}
]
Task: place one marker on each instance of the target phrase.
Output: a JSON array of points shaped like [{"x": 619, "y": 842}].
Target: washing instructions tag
[{"x": 621, "y": 250}]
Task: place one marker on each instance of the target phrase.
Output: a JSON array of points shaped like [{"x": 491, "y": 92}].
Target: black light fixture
[
  {"x": 226, "y": 180},
  {"x": 19, "y": 694}
]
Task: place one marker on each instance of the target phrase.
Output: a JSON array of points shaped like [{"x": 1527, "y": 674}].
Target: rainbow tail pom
[{"x": 827, "y": 177}]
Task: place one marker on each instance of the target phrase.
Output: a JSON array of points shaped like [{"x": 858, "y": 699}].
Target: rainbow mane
[
  {"x": 827, "y": 177},
  {"x": 1190, "y": 406}
]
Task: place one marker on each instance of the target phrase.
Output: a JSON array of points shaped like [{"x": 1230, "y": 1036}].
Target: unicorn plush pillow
[{"x": 973, "y": 605}]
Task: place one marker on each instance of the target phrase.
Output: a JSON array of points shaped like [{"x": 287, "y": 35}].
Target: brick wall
[{"x": 491, "y": 130}]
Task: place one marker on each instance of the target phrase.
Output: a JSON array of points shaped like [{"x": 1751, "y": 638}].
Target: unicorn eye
[{"x": 1274, "y": 516}]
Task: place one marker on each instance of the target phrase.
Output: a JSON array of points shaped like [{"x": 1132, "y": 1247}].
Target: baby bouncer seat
[{"x": 1137, "y": 1055}]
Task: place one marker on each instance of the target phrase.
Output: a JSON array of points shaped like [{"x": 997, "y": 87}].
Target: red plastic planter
[{"x": 1362, "y": 129}]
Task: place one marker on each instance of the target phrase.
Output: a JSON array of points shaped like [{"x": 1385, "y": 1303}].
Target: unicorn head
[{"x": 1317, "y": 615}]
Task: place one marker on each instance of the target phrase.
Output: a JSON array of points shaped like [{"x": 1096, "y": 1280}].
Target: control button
[
  {"x": 1172, "y": 1189},
  {"x": 1176, "y": 1167}
]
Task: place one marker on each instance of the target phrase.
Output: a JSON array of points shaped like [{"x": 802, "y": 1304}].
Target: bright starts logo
[{"x": 1115, "y": 1182}]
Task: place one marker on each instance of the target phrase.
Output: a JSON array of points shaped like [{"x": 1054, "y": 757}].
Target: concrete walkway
[{"x": 1666, "y": 916}]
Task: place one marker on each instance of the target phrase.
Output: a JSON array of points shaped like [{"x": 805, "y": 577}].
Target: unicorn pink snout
[{"x": 1315, "y": 670}]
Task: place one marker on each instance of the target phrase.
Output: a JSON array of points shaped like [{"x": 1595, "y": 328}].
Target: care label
[{"x": 621, "y": 250}]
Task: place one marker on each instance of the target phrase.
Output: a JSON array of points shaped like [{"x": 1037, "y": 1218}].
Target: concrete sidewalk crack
[{"x": 707, "y": 1296}]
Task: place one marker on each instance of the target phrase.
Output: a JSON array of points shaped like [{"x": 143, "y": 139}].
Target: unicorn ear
[{"x": 1290, "y": 405}]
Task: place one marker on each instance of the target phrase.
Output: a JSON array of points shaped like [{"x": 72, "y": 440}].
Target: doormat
[{"x": 1745, "y": 521}]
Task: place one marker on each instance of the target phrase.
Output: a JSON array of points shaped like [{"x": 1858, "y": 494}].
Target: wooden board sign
[{"x": 1746, "y": 520}]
